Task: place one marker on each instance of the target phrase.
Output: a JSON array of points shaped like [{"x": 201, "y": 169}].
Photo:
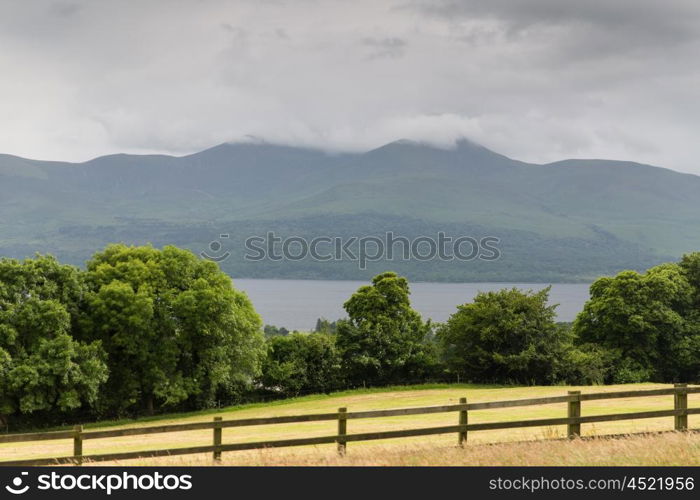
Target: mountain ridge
[
  {"x": 332, "y": 153},
  {"x": 633, "y": 214}
]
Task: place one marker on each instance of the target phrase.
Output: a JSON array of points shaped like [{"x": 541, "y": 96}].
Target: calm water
[{"x": 296, "y": 304}]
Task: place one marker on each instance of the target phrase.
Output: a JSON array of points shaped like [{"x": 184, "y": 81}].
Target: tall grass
[
  {"x": 669, "y": 449},
  {"x": 372, "y": 399}
]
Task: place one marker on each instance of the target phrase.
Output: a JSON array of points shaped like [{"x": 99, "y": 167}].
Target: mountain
[{"x": 571, "y": 220}]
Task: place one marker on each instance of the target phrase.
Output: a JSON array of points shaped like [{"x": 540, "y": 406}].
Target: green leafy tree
[
  {"x": 690, "y": 267},
  {"x": 384, "y": 340},
  {"x": 325, "y": 326},
  {"x": 642, "y": 319},
  {"x": 688, "y": 348},
  {"x": 302, "y": 363},
  {"x": 507, "y": 336},
  {"x": 274, "y": 331},
  {"x": 175, "y": 329},
  {"x": 42, "y": 368}
]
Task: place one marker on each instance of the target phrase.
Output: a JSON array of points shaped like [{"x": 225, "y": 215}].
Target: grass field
[
  {"x": 673, "y": 449},
  {"x": 421, "y": 450}
]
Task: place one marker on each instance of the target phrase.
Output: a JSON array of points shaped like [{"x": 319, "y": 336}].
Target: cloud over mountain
[{"x": 536, "y": 79}]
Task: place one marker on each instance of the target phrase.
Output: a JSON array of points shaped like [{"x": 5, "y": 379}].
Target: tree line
[
  {"x": 139, "y": 330},
  {"x": 142, "y": 330}
]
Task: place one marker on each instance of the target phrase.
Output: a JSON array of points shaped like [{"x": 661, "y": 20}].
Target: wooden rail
[{"x": 573, "y": 421}]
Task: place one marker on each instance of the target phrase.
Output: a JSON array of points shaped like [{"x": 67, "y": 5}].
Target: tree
[
  {"x": 384, "y": 340},
  {"x": 42, "y": 368},
  {"x": 302, "y": 363},
  {"x": 274, "y": 331},
  {"x": 325, "y": 326},
  {"x": 642, "y": 319},
  {"x": 175, "y": 329},
  {"x": 690, "y": 267},
  {"x": 507, "y": 336}
]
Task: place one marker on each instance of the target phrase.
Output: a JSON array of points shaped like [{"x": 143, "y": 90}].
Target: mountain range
[{"x": 571, "y": 220}]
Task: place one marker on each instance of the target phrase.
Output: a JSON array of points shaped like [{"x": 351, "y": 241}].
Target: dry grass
[
  {"x": 381, "y": 400},
  {"x": 669, "y": 449}
]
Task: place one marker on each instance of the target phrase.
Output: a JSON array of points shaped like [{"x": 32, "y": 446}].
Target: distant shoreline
[{"x": 297, "y": 304}]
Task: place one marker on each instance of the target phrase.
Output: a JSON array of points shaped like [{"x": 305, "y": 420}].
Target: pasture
[
  {"x": 672, "y": 449},
  {"x": 368, "y": 453}
]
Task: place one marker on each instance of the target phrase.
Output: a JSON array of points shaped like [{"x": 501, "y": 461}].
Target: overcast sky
[{"x": 537, "y": 80}]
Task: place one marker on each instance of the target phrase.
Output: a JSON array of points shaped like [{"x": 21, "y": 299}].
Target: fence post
[
  {"x": 78, "y": 444},
  {"x": 463, "y": 421},
  {"x": 342, "y": 430},
  {"x": 217, "y": 438},
  {"x": 574, "y": 430},
  {"x": 680, "y": 402}
]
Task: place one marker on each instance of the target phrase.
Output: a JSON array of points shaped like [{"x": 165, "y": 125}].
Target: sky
[{"x": 537, "y": 80}]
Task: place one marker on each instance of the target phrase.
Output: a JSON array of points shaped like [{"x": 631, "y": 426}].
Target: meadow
[
  {"x": 424, "y": 450},
  {"x": 672, "y": 449}
]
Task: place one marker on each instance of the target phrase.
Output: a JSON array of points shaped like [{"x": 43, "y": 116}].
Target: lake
[{"x": 296, "y": 304}]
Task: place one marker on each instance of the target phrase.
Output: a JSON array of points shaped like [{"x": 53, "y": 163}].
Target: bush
[
  {"x": 644, "y": 322},
  {"x": 508, "y": 336},
  {"x": 587, "y": 364},
  {"x": 302, "y": 363}
]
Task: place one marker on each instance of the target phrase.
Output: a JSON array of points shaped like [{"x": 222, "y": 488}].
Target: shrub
[{"x": 302, "y": 363}]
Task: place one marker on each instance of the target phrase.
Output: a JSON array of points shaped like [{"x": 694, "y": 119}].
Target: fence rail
[{"x": 573, "y": 421}]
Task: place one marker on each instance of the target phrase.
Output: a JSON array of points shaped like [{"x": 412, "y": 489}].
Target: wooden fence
[{"x": 573, "y": 421}]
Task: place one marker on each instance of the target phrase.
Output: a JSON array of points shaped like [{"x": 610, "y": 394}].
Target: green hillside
[{"x": 566, "y": 221}]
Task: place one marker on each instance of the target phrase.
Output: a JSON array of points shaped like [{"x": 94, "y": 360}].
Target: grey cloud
[
  {"x": 538, "y": 80},
  {"x": 391, "y": 48},
  {"x": 586, "y": 29},
  {"x": 669, "y": 18},
  {"x": 64, "y": 9}
]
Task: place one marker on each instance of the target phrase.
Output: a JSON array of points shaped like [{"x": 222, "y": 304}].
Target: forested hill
[{"x": 565, "y": 221}]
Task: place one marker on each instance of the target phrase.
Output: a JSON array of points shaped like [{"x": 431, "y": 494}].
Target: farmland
[{"x": 381, "y": 452}]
